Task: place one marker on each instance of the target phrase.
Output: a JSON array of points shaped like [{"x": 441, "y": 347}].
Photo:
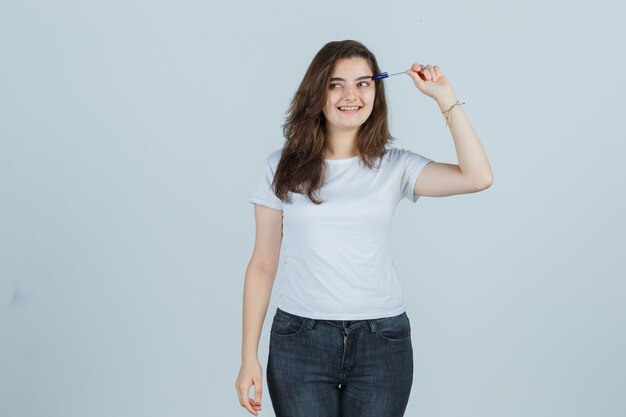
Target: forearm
[
  {"x": 257, "y": 290},
  {"x": 470, "y": 153}
]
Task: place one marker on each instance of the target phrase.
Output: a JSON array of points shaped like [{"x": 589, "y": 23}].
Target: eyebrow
[{"x": 365, "y": 77}]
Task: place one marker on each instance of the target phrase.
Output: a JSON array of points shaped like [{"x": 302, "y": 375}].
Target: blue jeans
[{"x": 338, "y": 368}]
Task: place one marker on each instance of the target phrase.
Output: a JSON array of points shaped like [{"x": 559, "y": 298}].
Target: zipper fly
[{"x": 343, "y": 354}]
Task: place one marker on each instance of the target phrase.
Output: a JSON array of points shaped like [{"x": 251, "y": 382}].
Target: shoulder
[
  {"x": 274, "y": 157},
  {"x": 394, "y": 154},
  {"x": 404, "y": 155}
]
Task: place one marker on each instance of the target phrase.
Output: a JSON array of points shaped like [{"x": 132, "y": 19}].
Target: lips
[{"x": 349, "y": 109}]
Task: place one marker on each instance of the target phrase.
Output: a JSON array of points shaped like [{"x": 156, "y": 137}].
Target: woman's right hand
[{"x": 250, "y": 374}]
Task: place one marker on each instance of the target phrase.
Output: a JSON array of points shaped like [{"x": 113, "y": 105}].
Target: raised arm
[{"x": 473, "y": 172}]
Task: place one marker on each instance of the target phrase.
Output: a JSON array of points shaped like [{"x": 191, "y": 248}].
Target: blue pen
[{"x": 385, "y": 75}]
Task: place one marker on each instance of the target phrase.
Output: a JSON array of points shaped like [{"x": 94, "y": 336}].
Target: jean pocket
[
  {"x": 395, "y": 328},
  {"x": 286, "y": 324}
]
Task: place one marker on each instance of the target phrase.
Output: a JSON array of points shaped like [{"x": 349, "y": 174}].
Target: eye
[
  {"x": 364, "y": 82},
  {"x": 334, "y": 85}
]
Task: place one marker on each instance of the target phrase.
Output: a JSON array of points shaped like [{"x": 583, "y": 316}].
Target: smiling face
[{"x": 350, "y": 95}]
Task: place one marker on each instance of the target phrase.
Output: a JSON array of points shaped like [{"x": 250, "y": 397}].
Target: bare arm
[
  {"x": 473, "y": 172},
  {"x": 257, "y": 291}
]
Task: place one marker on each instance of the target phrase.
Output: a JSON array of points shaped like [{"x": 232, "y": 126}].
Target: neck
[{"x": 342, "y": 143}]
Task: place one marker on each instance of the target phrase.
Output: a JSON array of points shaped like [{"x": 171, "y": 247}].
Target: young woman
[{"x": 340, "y": 339}]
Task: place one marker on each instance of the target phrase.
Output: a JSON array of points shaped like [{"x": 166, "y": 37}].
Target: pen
[{"x": 385, "y": 75}]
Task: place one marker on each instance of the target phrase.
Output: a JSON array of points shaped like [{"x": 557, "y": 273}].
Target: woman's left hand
[{"x": 430, "y": 81}]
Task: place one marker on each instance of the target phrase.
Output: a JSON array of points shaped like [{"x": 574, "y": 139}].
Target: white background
[{"x": 132, "y": 131}]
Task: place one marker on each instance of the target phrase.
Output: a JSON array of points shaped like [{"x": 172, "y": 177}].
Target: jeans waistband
[{"x": 352, "y": 324}]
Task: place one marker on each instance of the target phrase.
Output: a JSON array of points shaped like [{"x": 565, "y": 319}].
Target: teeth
[{"x": 348, "y": 108}]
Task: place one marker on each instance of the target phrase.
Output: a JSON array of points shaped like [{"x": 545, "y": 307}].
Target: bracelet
[{"x": 447, "y": 112}]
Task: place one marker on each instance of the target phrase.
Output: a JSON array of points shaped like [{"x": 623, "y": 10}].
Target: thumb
[
  {"x": 415, "y": 76},
  {"x": 257, "y": 391}
]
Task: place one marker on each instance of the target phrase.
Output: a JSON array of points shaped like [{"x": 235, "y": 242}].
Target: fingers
[
  {"x": 257, "y": 392},
  {"x": 421, "y": 72},
  {"x": 255, "y": 404},
  {"x": 252, "y": 405}
]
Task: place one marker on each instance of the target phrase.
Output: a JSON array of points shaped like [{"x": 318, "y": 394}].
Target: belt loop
[
  {"x": 310, "y": 325},
  {"x": 372, "y": 324}
]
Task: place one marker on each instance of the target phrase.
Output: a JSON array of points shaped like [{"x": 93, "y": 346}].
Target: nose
[{"x": 350, "y": 92}]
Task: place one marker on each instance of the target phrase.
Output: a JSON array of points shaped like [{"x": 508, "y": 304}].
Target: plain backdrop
[{"x": 132, "y": 131}]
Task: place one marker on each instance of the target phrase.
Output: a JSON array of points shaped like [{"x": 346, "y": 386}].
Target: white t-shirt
[{"x": 337, "y": 255}]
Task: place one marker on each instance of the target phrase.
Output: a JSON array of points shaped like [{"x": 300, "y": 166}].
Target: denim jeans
[{"x": 338, "y": 368}]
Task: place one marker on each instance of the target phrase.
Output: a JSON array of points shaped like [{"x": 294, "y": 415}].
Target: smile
[{"x": 349, "y": 109}]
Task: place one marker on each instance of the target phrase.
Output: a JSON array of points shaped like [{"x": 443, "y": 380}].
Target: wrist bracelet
[{"x": 447, "y": 112}]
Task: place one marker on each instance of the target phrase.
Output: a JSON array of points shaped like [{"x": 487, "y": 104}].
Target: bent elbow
[{"x": 484, "y": 183}]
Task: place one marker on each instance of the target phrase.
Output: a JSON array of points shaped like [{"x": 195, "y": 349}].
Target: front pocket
[
  {"x": 284, "y": 325},
  {"x": 395, "y": 328}
]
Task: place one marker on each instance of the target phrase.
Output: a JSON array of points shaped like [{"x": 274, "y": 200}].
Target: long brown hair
[{"x": 301, "y": 168}]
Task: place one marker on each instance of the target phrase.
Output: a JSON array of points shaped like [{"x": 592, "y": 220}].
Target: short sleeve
[
  {"x": 413, "y": 164},
  {"x": 261, "y": 192}
]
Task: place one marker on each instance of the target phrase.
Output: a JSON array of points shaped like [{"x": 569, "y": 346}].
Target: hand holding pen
[{"x": 427, "y": 78}]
